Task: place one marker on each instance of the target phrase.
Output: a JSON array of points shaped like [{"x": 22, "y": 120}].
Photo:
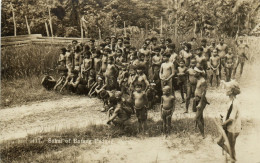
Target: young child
[
  {"x": 191, "y": 84},
  {"x": 174, "y": 56},
  {"x": 156, "y": 64},
  {"x": 69, "y": 59},
  {"x": 140, "y": 107},
  {"x": 104, "y": 60},
  {"x": 146, "y": 52},
  {"x": 111, "y": 74},
  {"x": 62, "y": 57},
  {"x": 97, "y": 62},
  {"x": 182, "y": 78},
  {"x": 144, "y": 63},
  {"x": 167, "y": 108},
  {"x": 120, "y": 44},
  {"x": 230, "y": 60},
  {"x": 87, "y": 65},
  {"x": 167, "y": 71},
  {"x": 140, "y": 78},
  {"x": 154, "y": 43},
  {"x": 77, "y": 58},
  {"x": 214, "y": 66},
  {"x": 186, "y": 55}
]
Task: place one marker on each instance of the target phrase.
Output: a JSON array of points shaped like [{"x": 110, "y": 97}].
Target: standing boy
[
  {"x": 167, "y": 108},
  {"x": 167, "y": 71}
]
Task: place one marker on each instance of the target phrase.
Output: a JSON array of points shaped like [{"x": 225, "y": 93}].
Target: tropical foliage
[{"x": 179, "y": 16}]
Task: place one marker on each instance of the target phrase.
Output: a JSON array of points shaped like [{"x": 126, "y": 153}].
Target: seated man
[
  {"x": 48, "y": 82},
  {"x": 122, "y": 113}
]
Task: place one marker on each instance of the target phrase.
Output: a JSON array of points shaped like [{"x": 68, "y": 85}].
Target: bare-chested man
[
  {"x": 140, "y": 78},
  {"x": 111, "y": 74},
  {"x": 201, "y": 59},
  {"x": 69, "y": 59},
  {"x": 230, "y": 60},
  {"x": 97, "y": 62},
  {"x": 153, "y": 43},
  {"x": 174, "y": 56},
  {"x": 222, "y": 51},
  {"x": 241, "y": 54},
  {"x": 140, "y": 107},
  {"x": 156, "y": 64},
  {"x": 214, "y": 67},
  {"x": 167, "y": 71},
  {"x": 77, "y": 58},
  {"x": 186, "y": 54},
  {"x": 191, "y": 84},
  {"x": 200, "y": 99},
  {"x": 167, "y": 109},
  {"x": 182, "y": 78},
  {"x": 104, "y": 60},
  {"x": 146, "y": 52},
  {"x": 87, "y": 65}
]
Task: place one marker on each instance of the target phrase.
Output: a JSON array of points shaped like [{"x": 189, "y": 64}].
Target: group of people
[{"x": 131, "y": 80}]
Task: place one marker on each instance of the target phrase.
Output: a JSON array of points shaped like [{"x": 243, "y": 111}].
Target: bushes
[{"x": 26, "y": 61}]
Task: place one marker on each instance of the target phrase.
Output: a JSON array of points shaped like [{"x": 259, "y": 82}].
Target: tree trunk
[
  {"x": 50, "y": 22},
  {"x": 47, "y": 30},
  {"x": 28, "y": 27},
  {"x": 14, "y": 19}
]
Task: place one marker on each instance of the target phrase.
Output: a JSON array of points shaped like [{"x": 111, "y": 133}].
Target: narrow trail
[{"x": 78, "y": 112}]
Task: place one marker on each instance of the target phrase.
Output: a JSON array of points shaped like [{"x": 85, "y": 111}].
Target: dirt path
[
  {"x": 78, "y": 111},
  {"x": 73, "y": 111}
]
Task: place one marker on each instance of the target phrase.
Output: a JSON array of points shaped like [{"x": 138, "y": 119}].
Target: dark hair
[
  {"x": 193, "y": 38},
  {"x": 87, "y": 48},
  {"x": 172, "y": 46},
  {"x": 169, "y": 40},
  {"x": 63, "y": 50},
  {"x": 120, "y": 38},
  {"x": 200, "y": 49},
  {"x": 133, "y": 48},
  {"x": 167, "y": 54},
  {"x": 188, "y": 45},
  {"x": 204, "y": 40},
  {"x": 127, "y": 38},
  {"x": 103, "y": 45},
  {"x": 107, "y": 38},
  {"x": 98, "y": 52},
  {"x": 74, "y": 41},
  {"x": 107, "y": 50},
  {"x": 163, "y": 47},
  {"x": 154, "y": 39},
  {"x": 126, "y": 42},
  {"x": 121, "y": 51},
  {"x": 92, "y": 40},
  {"x": 157, "y": 48}
]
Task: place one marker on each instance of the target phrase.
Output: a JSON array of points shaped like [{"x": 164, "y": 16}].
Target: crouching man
[{"x": 122, "y": 113}]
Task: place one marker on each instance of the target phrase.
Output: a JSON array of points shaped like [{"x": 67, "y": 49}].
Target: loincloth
[
  {"x": 166, "y": 113},
  {"x": 141, "y": 113}
]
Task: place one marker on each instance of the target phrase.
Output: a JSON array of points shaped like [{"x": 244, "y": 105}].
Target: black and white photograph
[{"x": 130, "y": 81}]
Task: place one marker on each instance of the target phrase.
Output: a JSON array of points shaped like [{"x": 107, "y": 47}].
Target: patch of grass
[
  {"x": 22, "y": 150},
  {"x": 27, "y": 61},
  {"x": 22, "y": 91},
  {"x": 48, "y": 145}
]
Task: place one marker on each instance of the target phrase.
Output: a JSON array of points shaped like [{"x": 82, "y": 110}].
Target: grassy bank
[
  {"x": 22, "y": 91},
  {"x": 66, "y": 145},
  {"x": 45, "y": 145}
]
